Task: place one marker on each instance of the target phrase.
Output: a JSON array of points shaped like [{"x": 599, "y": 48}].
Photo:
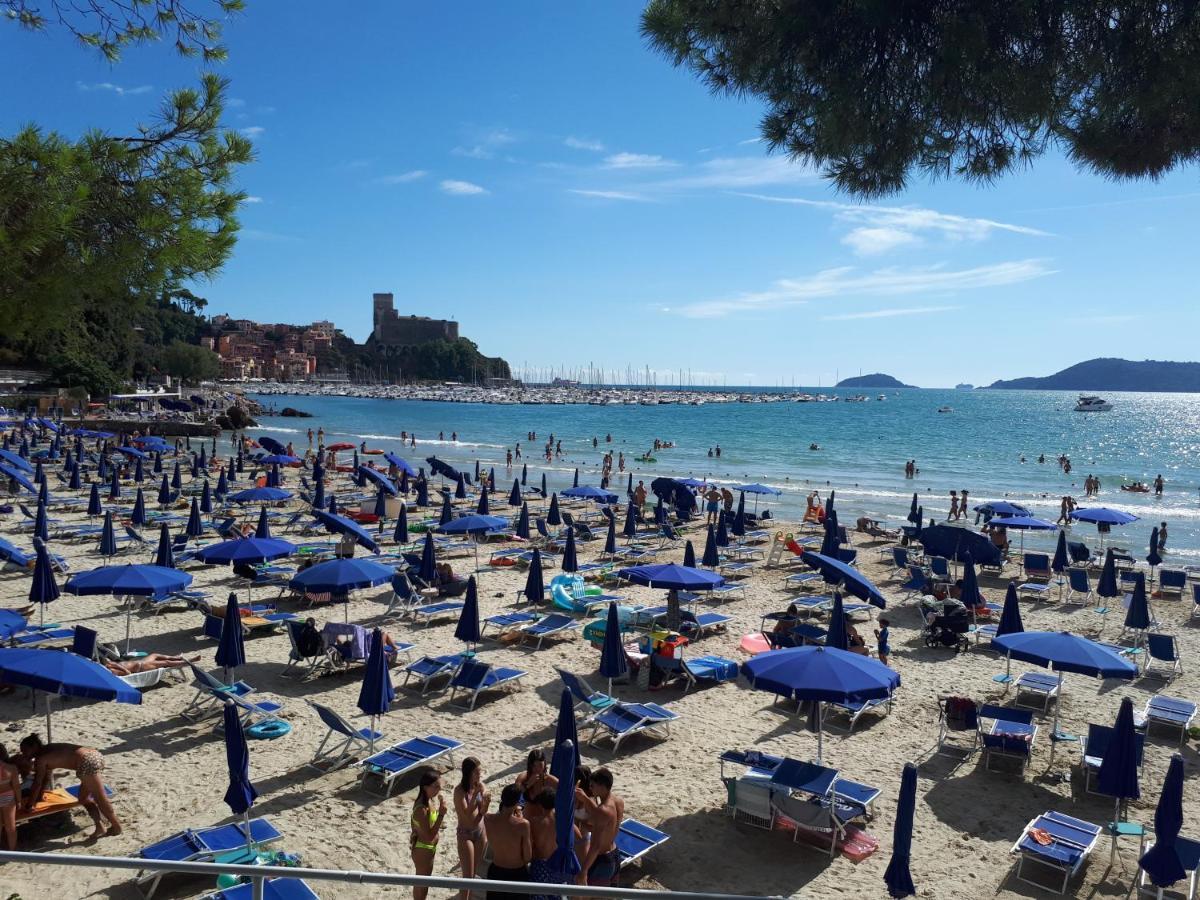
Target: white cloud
[
  {"x": 253, "y": 131},
  {"x": 756, "y": 140},
  {"x": 637, "y": 161},
  {"x": 584, "y": 144},
  {"x": 117, "y": 89},
  {"x": 265, "y": 110},
  {"x": 889, "y": 313},
  {"x": 461, "y": 188},
  {"x": 740, "y": 172},
  {"x": 846, "y": 281},
  {"x": 252, "y": 199},
  {"x": 235, "y": 102},
  {"x": 874, "y": 241},
  {"x": 608, "y": 195},
  {"x": 403, "y": 177},
  {"x": 477, "y": 151}
]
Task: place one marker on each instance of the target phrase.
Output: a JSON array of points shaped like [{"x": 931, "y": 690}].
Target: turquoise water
[{"x": 863, "y": 448}]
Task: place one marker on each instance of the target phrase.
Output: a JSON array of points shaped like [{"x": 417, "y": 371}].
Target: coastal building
[{"x": 394, "y": 330}]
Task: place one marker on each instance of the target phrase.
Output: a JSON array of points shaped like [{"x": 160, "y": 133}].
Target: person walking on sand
[
  {"x": 88, "y": 765},
  {"x": 962, "y": 506},
  {"x": 471, "y": 802},
  {"x": 953, "y": 514},
  {"x": 881, "y": 636},
  {"x": 512, "y": 848}
]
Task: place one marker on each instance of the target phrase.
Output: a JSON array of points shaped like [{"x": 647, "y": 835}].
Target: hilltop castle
[{"x": 393, "y": 330}]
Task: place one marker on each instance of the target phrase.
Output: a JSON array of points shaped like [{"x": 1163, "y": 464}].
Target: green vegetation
[
  {"x": 1108, "y": 374},
  {"x": 870, "y": 91},
  {"x": 436, "y": 361}
]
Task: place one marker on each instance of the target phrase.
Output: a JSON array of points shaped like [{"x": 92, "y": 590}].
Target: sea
[{"x": 987, "y": 442}]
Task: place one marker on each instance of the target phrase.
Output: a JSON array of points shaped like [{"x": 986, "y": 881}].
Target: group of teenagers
[{"x": 521, "y": 832}]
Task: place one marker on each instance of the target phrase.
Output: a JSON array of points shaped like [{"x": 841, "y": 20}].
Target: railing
[{"x": 258, "y": 874}]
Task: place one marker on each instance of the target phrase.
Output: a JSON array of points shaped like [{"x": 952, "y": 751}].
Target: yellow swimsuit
[{"x": 418, "y": 844}]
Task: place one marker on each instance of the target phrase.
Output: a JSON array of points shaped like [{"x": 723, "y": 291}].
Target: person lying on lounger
[{"x": 148, "y": 663}]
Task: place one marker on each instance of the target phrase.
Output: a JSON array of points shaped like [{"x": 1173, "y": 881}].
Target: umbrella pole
[
  {"x": 820, "y": 731},
  {"x": 49, "y": 732},
  {"x": 1057, "y": 703},
  {"x": 128, "y": 620}
]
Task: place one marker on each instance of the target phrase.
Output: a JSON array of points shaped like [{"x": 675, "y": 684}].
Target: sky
[{"x": 537, "y": 173}]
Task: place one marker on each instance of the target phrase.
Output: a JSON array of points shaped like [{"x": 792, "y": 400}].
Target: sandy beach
[{"x": 169, "y": 774}]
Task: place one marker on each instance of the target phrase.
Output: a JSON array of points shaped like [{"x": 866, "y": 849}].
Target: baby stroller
[{"x": 946, "y": 624}]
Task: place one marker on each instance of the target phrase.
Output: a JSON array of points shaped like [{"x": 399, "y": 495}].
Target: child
[{"x": 881, "y": 635}]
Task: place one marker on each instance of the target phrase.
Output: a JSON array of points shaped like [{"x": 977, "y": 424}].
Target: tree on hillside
[
  {"x": 871, "y": 91},
  {"x": 189, "y": 362}
]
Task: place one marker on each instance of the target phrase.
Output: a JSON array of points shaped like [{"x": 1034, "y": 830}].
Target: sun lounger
[
  {"x": 399, "y": 759},
  {"x": 1011, "y": 734},
  {"x": 345, "y": 737},
  {"x": 696, "y": 670},
  {"x": 855, "y": 709},
  {"x": 635, "y": 839},
  {"x": 1037, "y": 565},
  {"x": 1170, "y": 711},
  {"x": 431, "y": 611},
  {"x": 1071, "y": 843},
  {"x": 429, "y": 669},
  {"x": 721, "y": 592},
  {"x": 255, "y": 712},
  {"x": 800, "y": 580},
  {"x": 1036, "y": 589},
  {"x": 1095, "y": 745},
  {"x": 957, "y": 716},
  {"x": 808, "y": 795},
  {"x": 279, "y": 888},
  {"x": 582, "y": 694},
  {"x": 473, "y": 677},
  {"x": 1040, "y": 684},
  {"x": 47, "y": 637},
  {"x": 552, "y": 625},
  {"x": 1162, "y": 648},
  {"x": 503, "y": 622},
  {"x": 622, "y": 720},
  {"x": 317, "y": 663},
  {"x": 211, "y": 692},
  {"x": 201, "y": 845},
  {"x": 1172, "y": 581},
  {"x": 1188, "y": 851}
]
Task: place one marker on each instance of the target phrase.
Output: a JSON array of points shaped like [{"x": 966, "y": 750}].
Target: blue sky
[{"x": 537, "y": 173}]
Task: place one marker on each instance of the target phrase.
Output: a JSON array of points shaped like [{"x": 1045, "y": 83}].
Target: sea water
[{"x": 988, "y": 443}]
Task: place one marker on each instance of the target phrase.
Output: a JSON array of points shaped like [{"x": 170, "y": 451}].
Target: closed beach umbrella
[
  {"x": 722, "y": 531},
  {"x": 400, "y": 535},
  {"x": 467, "y": 629},
  {"x": 177, "y": 477},
  {"x": 94, "y": 508},
  {"x": 831, "y": 540},
  {"x": 565, "y": 730},
  {"x": 491, "y": 483},
  {"x": 164, "y": 494},
  {"x": 569, "y": 561},
  {"x": 240, "y": 795},
  {"x": 422, "y": 492},
  {"x": 206, "y": 505},
  {"x": 41, "y": 523},
  {"x": 610, "y": 539},
  {"x": 524, "y": 474},
  {"x": 139, "y": 473},
  {"x": 137, "y": 518},
  {"x": 195, "y": 526},
  {"x": 195, "y": 468},
  {"x": 318, "y": 496},
  {"x": 1107, "y": 585},
  {"x": 564, "y": 862},
  {"x": 376, "y": 694},
  {"x": 43, "y": 588},
  {"x": 333, "y": 507},
  {"x": 202, "y": 461},
  {"x": 837, "y": 637},
  {"x": 114, "y": 485},
  {"x": 44, "y": 492},
  {"x": 1010, "y": 616},
  {"x": 447, "y": 514},
  {"x": 231, "y": 649},
  {"x": 514, "y": 496},
  {"x": 476, "y": 470},
  {"x": 102, "y": 468},
  {"x": 165, "y": 556},
  {"x": 897, "y": 876},
  {"x": 630, "y": 529},
  {"x": 575, "y": 482},
  {"x": 535, "y": 588},
  {"x": 612, "y": 653},
  {"x": 1161, "y": 863},
  {"x": 403, "y": 482},
  {"x": 829, "y": 503},
  {"x": 543, "y": 484},
  {"x": 381, "y": 504},
  {"x": 1137, "y": 617},
  {"x": 1061, "y": 561},
  {"x": 76, "y": 482},
  {"x": 689, "y": 553},
  {"x": 222, "y": 485},
  {"x": 914, "y": 513},
  {"x": 711, "y": 557},
  {"x": 553, "y": 517},
  {"x": 460, "y": 488},
  {"x": 482, "y": 508},
  {"x": 108, "y": 537},
  {"x": 970, "y": 596},
  {"x": 263, "y": 529},
  {"x": 660, "y": 513},
  {"x": 1153, "y": 558},
  {"x": 523, "y": 522},
  {"x": 428, "y": 570},
  {"x": 1118, "y": 775},
  {"x": 158, "y": 465}
]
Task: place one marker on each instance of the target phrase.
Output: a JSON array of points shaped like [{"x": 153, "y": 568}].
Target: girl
[
  {"x": 536, "y": 777},
  {"x": 10, "y": 795},
  {"x": 426, "y": 825},
  {"x": 471, "y": 802}
]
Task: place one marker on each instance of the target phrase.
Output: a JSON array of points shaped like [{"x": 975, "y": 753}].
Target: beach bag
[{"x": 962, "y": 712}]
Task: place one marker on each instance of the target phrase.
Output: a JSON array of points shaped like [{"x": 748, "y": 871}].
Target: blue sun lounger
[
  {"x": 1011, "y": 734},
  {"x": 1170, "y": 711},
  {"x": 429, "y": 669},
  {"x": 855, "y": 709},
  {"x": 622, "y": 720},
  {"x": 721, "y": 592},
  {"x": 1040, "y": 684},
  {"x": 549, "y": 626},
  {"x": 582, "y": 693},
  {"x": 345, "y": 736},
  {"x": 273, "y": 889},
  {"x": 1094, "y": 746},
  {"x": 44, "y": 637},
  {"x": 1071, "y": 843},
  {"x": 388, "y": 765},
  {"x": 635, "y": 839},
  {"x": 503, "y": 622},
  {"x": 700, "y": 669},
  {"x": 211, "y": 692},
  {"x": 201, "y": 845},
  {"x": 473, "y": 677},
  {"x": 431, "y": 611}
]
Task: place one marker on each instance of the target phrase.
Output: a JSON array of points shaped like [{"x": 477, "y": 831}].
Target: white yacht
[{"x": 1092, "y": 404}]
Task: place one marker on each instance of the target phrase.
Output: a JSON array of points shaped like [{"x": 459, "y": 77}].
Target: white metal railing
[{"x": 257, "y": 875}]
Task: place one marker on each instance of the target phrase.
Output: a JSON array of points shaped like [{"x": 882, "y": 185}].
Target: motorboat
[
  {"x": 1088, "y": 403},
  {"x": 944, "y": 409}
]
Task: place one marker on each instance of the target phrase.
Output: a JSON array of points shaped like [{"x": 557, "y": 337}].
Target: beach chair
[
  {"x": 635, "y": 839},
  {"x": 820, "y": 808},
  {"x": 428, "y": 670},
  {"x": 1162, "y": 648},
  {"x": 1195, "y": 601},
  {"x": 1095, "y": 745},
  {"x": 278, "y": 888},
  {"x": 431, "y": 611},
  {"x": 346, "y": 739},
  {"x": 504, "y": 622},
  {"x": 552, "y": 625},
  {"x": 1188, "y": 851},
  {"x": 939, "y": 567},
  {"x": 582, "y": 694},
  {"x": 694, "y": 671},
  {"x": 1010, "y": 735},
  {"x": 255, "y": 712},
  {"x": 314, "y": 664},
  {"x": 1079, "y": 585},
  {"x": 957, "y": 716},
  {"x": 1170, "y": 711},
  {"x": 696, "y": 625},
  {"x": 1172, "y": 581},
  {"x": 918, "y": 584},
  {"x": 1071, "y": 842},
  {"x": 855, "y": 708},
  {"x": 399, "y": 759},
  {"x": 201, "y": 845},
  {"x": 622, "y": 720},
  {"x": 899, "y": 560},
  {"x": 210, "y": 694},
  {"x": 1037, "y": 565},
  {"x": 1039, "y": 684},
  {"x": 473, "y": 677},
  {"x": 668, "y": 536}
]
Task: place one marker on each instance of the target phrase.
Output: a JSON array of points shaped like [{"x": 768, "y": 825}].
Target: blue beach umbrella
[
  {"x": 231, "y": 649},
  {"x": 194, "y": 468},
  {"x": 630, "y": 529},
  {"x": 467, "y": 629},
  {"x": 897, "y": 876},
  {"x": 164, "y": 495},
  {"x": 612, "y": 653},
  {"x": 203, "y": 459},
  {"x": 535, "y": 588},
  {"x": 738, "y": 526},
  {"x": 376, "y": 694},
  {"x": 610, "y": 538},
  {"x": 108, "y": 538},
  {"x": 177, "y": 477},
  {"x": 1137, "y": 617},
  {"x": 333, "y": 507},
  {"x": 165, "y": 556},
  {"x": 139, "y": 472},
  {"x": 482, "y": 507},
  {"x": 222, "y": 485},
  {"x": 341, "y": 525},
  {"x": 195, "y": 526},
  {"x": 522, "y": 528},
  {"x": 711, "y": 557},
  {"x": 1010, "y": 616},
  {"x": 380, "y": 508},
  {"x": 689, "y": 552},
  {"x": 476, "y": 470},
  {"x": 249, "y": 550},
  {"x": 854, "y": 582},
  {"x": 570, "y": 562},
  {"x": 914, "y": 513},
  {"x": 970, "y": 596},
  {"x": 401, "y": 464},
  {"x": 553, "y": 517},
  {"x": 722, "y": 530},
  {"x": 1118, "y": 775},
  {"x": 157, "y": 468},
  {"x": 263, "y": 529},
  {"x": 543, "y": 484},
  {"x": 1102, "y": 515},
  {"x": 589, "y": 492},
  {"x": 660, "y": 513},
  {"x": 94, "y": 508},
  {"x": 1107, "y": 585},
  {"x": 16, "y": 475},
  {"x": 428, "y": 569},
  {"x": 473, "y": 524},
  {"x": 137, "y": 517},
  {"x": 400, "y": 535},
  {"x": 128, "y": 581},
  {"x": 381, "y": 481},
  {"x": 1161, "y": 863},
  {"x": 11, "y": 623},
  {"x": 669, "y": 576},
  {"x": 492, "y": 480},
  {"x": 837, "y": 637},
  {"x": 564, "y": 863},
  {"x": 65, "y": 674},
  {"x": 446, "y": 516},
  {"x": 16, "y": 461},
  {"x": 240, "y": 794},
  {"x": 524, "y": 474},
  {"x": 514, "y": 496},
  {"x": 831, "y": 540},
  {"x": 206, "y": 504},
  {"x": 460, "y": 488},
  {"x": 102, "y": 468},
  {"x": 43, "y": 588},
  {"x": 565, "y": 730}
]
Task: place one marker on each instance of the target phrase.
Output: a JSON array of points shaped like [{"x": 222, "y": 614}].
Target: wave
[{"x": 420, "y": 440}]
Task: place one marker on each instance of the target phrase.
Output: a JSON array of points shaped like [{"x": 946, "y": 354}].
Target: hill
[
  {"x": 875, "y": 380},
  {"x": 1114, "y": 375}
]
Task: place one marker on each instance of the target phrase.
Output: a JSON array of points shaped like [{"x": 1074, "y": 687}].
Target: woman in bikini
[
  {"x": 471, "y": 802},
  {"x": 10, "y": 795},
  {"x": 426, "y": 825},
  {"x": 149, "y": 663},
  {"x": 536, "y": 777},
  {"x": 88, "y": 765}
]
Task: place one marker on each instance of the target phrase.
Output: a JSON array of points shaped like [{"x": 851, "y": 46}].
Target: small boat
[
  {"x": 944, "y": 409},
  {"x": 1089, "y": 403}
]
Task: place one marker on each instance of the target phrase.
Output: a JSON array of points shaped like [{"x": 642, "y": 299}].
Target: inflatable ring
[{"x": 268, "y": 731}]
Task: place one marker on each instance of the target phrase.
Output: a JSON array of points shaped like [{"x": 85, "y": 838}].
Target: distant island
[
  {"x": 876, "y": 380},
  {"x": 1114, "y": 375}
]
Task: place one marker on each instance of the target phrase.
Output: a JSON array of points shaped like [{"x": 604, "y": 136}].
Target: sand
[{"x": 170, "y": 774}]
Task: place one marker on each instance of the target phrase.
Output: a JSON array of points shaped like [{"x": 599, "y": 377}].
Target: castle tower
[{"x": 385, "y": 309}]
